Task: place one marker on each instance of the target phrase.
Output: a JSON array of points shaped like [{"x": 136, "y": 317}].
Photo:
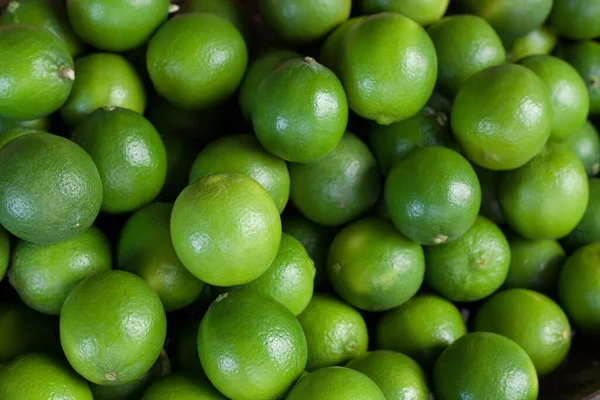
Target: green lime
[
  {"x": 432, "y": 195},
  {"x": 243, "y": 154},
  {"x": 300, "y": 123},
  {"x": 221, "y": 219},
  {"x": 388, "y": 67},
  {"x": 232, "y": 11},
  {"x": 374, "y": 267},
  {"x": 40, "y": 124},
  {"x": 485, "y": 365},
  {"x": 103, "y": 79},
  {"x": 339, "y": 187},
  {"x": 50, "y": 189},
  {"x": 465, "y": 45},
  {"x": 490, "y": 206},
  {"x": 182, "y": 387},
  {"x": 112, "y": 328},
  {"x": 337, "y": 383},
  {"x": 181, "y": 153},
  {"x": 332, "y": 46},
  {"x": 502, "y": 116},
  {"x": 335, "y": 332},
  {"x": 533, "y": 197},
  {"x": 539, "y": 41},
  {"x": 251, "y": 346},
  {"x": 576, "y": 19},
  {"x": 398, "y": 376},
  {"x": 585, "y": 143},
  {"x": 129, "y": 154},
  {"x": 37, "y": 72},
  {"x": 585, "y": 58},
  {"x": 196, "y": 82},
  {"x": 424, "y": 12},
  {"x": 588, "y": 229},
  {"x": 4, "y": 251},
  {"x": 9, "y": 135}
]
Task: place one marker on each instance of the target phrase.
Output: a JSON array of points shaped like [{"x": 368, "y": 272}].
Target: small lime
[
  {"x": 538, "y": 41},
  {"x": 585, "y": 58},
  {"x": 585, "y": 143},
  {"x": 588, "y": 229},
  {"x": 182, "y": 387},
  {"x": 576, "y": 19},
  {"x": 232, "y": 11},
  {"x": 332, "y": 46},
  {"x": 424, "y": 12},
  {"x": 337, "y": 383},
  {"x": 40, "y": 124}
]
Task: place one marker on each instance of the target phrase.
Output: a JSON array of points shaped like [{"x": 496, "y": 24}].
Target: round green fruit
[
  {"x": 338, "y": 383},
  {"x": 424, "y": 12},
  {"x": 585, "y": 58},
  {"x": 576, "y": 19},
  {"x": 585, "y": 143}
]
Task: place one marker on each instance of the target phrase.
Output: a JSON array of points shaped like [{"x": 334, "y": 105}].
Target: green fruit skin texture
[
  {"x": 338, "y": 188},
  {"x": 232, "y": 11},
  {"x": 423, "y": 12},
  {"x": 103, "y": 79},
  {"x": 44, "y": 275},
  {"x": 576, "y": 19},
  {"x": 485, "y": 365},
  {"x": 33, "y": 72},
  {"x": 116, "y": 25},
  {"x": 588, "y": 229},
  {"x": 433, "y": 195},
  {"x": 130, "y": 156},
  {"x": 465, "y": 45},
  {"x": 251, "y": 346},
  {"x": 391, "y": 80},
  {"x": 301, "y": 111},
  {"x": 533, "y": 321},
  {"x": 338, "y": 383},
  {"x": 4, "y": 251},
  {"x": 112, "y": 328},
  {"x": 585, "y": 58},
  {"x": 539, "y": 41},
  {"x": 50, "y": 189},
  {"x": 222, "y": 219},
  {"x": 506, "y": 124},
  {"x": 40, "y": 124},
  {"x": 145, "y": 249},
  {"x": 244, "y": 155},
  {"x": 196, "y": 82},
  {"x": 182, "y": 387},
  {"x": 332, "y": 46},
  {"x": 533, "y": 197},
  {"x": 374, "y": 267},
  {"x": 40, "y": 376},
  {"x": 7, "y": 136},
  {"x": 585, "y": 143}
]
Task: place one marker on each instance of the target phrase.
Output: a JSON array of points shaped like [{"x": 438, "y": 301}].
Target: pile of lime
[{"x": 294, "y": 199}]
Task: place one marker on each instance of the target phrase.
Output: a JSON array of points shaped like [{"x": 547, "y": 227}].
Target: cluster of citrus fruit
[{"x": 293, "y": 199}]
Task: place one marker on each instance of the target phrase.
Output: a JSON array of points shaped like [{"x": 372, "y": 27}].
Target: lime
[
  {"x": 588, "y": 229},
  {"x": 232, "y": 11},
  {"x": 424, "y": 12},
  {"x": 196, "y": 82},
  {"x": 9, "y": 135},
  {"x": 337, "y": 383},
  {"x": 332, "y": 46},
  {"x": 539, "y": 41},
  {"x": 40, "y": 124},
  {"x": 576, "y": 19},
  {"x": 388, "y": 67},
  {"x": 4, "y": 251},
  {"x": 251, "y": 346},
  {"x": 432, "y": 195},
  {"x": 585, "y": 58},
  {"x": 585, "y": 143},
  {"x": 182, "y": 387},
  {"x": 490, "y": 206},
  {"x": 339, "y": 187},
  {"x": 300, "y": 123},
  {"x": 181, "y": 153}
]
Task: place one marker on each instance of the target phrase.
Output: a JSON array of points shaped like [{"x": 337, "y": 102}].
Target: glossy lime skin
[
  {"x": 538, "y": 41},
  {"x": 338, "y": 188},
  {"x": 388, "y": 68},
  {"x": 533, "y": 197},
  {"x": 196, "y": 82},
  {"x": 332, "y": 46},
  {"x": 424, "y": 12},
  {"x": 485, "y": 365},
  {"x": 251, "y": 346},
  {"x": 182, "y": 387},
  {"x": 4, "y": 251},
  {"x": 40, "y": 124},
  {"x": 103, "y": 79},
  {"x": 338, "y": 383},
  {"x": 7, "y": 136},
  {"x": 374, "y": 267},
  {"x": 112, "y": 328},
  {"x": 233, "y": 11},
  {"x": 129, "y": 154},
  {"x": 300, "y": 123},
  {"x": 116, "y": 25},
  {"x": 433, "y": 195},
  {"x": 35, "y": 74},
  {"x": 585, "y": 143},
  {"x": 243, "y": 154},
  {"x": 568, "y": 93},
  {"x": 59, "y": 188},
  {"x": 588, "y": 229},
  {"x": 585, "y": 58},
  {"x": 502, "y": 116},
  {"x": 465, "y": 45},
  {"x": 576, "y": 19}
]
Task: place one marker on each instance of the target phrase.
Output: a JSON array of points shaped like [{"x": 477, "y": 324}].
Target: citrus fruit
[
  {"x": 569, "y": 98},
  {"x": 196, "y": 82},
  {"x": 221, "y": 219},
  {"x": 251, "y": 346},
  {"x": 4, "y": 251},
  {"x": 244, "y": 155},
  {"x": 421, "y": 328},
  {"x": 181, "y": 153},
  {"x": 585, "y": 143},
  {"x": 41, "y": 376},
  {"x": 339, "y": 187},
  {"x": 335, "y": 332},
  {"x": 232, "y": 11},
  {"x": 298, "y": 21},
  {"x": 471, "y": 267},
  {"x": 36, "y": 73},
  {"x": 423, "y": 12},
  {"x": 103, "y": 79},
  {"x": 502, "y": 116},
  {"x": 112, "y": 328},
  {"x": 588, "y": 229},
  {"x": 585, "y": 58},
  {"x": 338, "y": 383},
  {"x": 40, "y": 124},
  {"x": 374, "y": 267},
  {"x": 129, "y": 154},
  {"x": 432, "y": 195},
  {"x": 9, "y": 135},
  {"x": 533, "y": 196},
  {"x": 290, "y": 278},
  {"x": 300, "y": 123},
  {"x": 490, "y": 206},
  {"x": 50, "y": 189},
  {"x": 332, "y": 46},
  {"x": 576, "y": 19},
  {"x": 116, "y": 25},
  {"x": 539, "y": 41},
  {"x": 533, "y": 321},
  {"x": 182, "y": 387},
  {"x": 388, "y": 67},
  {"x": 485, "y": 365},
  {"x": 398, "y": 376},
  {"x": 465, "y": 45}
]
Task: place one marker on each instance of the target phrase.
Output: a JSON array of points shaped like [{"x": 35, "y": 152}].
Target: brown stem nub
[
  {"x": 173, "y": 8},
  {"x": 222, "y": 297},
  {"x": 67, "y": 73},
  {"x": 593, "y": 81},
  {"x": 109, "y": 108},
  {"x": 12, "y": 7},
  {"x": 310, "y": 60}
]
